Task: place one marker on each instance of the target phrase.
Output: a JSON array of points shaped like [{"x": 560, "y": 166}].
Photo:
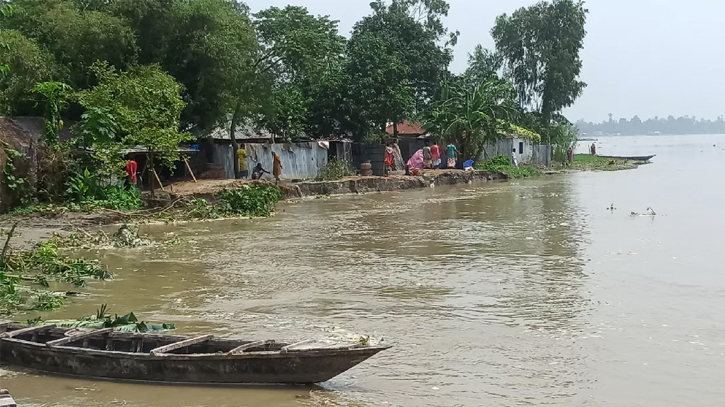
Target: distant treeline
[{"x": 655, "y": 125}]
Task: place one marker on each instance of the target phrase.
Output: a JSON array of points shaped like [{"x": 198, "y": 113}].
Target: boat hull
[
  {"x": 293, "y": 367},
  {"x": 631, "y": 158}
]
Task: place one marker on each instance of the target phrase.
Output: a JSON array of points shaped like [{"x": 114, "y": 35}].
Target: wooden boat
[
  {"x": 629, "y": 158},
  {"x": 6, "y": 400},
  {"x": 106, "y": 354}
]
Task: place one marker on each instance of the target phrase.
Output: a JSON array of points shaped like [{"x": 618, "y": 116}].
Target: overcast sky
[{"x": 641, "y": 57}]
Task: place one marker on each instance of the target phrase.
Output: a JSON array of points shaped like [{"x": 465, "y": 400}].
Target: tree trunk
[
  {"x": 235, "y": 145},
  {"x": 149, "y": 168}
]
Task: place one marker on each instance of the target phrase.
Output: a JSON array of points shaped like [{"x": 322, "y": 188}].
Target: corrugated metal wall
[
  {"x": 541, "y": 154},
  {"x": 532, "y": 153},
  {"x": 222, "y": 154},
  {"x": 299, "y": 160},
  {"x": 500, "y": 147}
]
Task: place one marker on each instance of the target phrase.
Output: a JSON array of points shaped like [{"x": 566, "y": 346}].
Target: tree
[
  {"x": 77, "y": 38},
  {"x": 27, "y": 65},
  {"x": 296, "y": 51},
  {"x": 540, "y": 46},
  {"x": 483, "y": 65},
  {"x": 207, "y": 45},
  {"x": 380, "y": 85},
  {"x": 144, "y": 105},
  {"x": 470, "y": 117},
  {"x": 412, "y": 31},
  {"x": 54, "y": 96}
]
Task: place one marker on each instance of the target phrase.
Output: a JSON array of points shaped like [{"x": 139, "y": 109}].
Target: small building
[
  {"x": 300, "y": 160},
  {"x": 524, "y": 143}
]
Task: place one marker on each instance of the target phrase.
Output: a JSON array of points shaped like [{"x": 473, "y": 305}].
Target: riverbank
[
  {"x": 181, "y": 199},
  {"x": 207, "y": 189}
]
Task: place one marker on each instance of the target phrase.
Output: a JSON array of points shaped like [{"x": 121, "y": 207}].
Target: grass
[
  {"x": 588, "y": 162},
  {"x": 503, "y": 164}
]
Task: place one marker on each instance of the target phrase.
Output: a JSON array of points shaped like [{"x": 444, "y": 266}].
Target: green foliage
[
  {"x": 379, "y": 84},
  {"x": 248, "y": 201},
  {"x": 483, "y": 66},
  {"x": 540, "y": 46},
  {"x": 588, "y": 162},
  {"x": 502, "y": 164},
  {"x": 76, "y": 37},
  {"x": 55, "y": 97},
  {"x": 36, "y": 267},
  {"x": 472, "y": 117},
  {"x": 27, "y": 64},
  {"x": 297, "y": 53},
  {"x": 47, "y": 300},
  {"x": 396, "y": 58},
  {"x": 335, "y": 170},
  {"x": 143, "y": 103},
  {"x": 83, "y": 189},
  {"x": 206, "y": 45},
  {"x": 562, "y": 136},
  {"x": 21, "y": 189},
  {"x": 124, "y": 323}
]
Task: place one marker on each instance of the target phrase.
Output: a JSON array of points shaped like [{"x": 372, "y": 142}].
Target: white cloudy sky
[{"x": 643, "y": 57}]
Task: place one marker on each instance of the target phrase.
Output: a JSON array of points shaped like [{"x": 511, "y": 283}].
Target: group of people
[
  {"x": 258, "y": 171},
  {"x": 432, "y": 158}
]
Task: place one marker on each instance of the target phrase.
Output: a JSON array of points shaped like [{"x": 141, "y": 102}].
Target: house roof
[{"x": 407, "y": 128}]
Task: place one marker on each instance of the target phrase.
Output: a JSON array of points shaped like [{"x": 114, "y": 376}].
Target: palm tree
[{"x": 470, "y": 117}]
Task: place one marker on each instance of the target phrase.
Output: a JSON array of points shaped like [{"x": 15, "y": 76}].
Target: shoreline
[{"x": 40, "y": 226}]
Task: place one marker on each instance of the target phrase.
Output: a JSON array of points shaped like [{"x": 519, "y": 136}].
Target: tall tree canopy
[
  {"x": 416, "y": 47},
  {"x": 76, "y": 37},
  {"x": 27, "y": 65},
  {"x": 205, "y": 44},
  {"x": 540, "y": 46}
]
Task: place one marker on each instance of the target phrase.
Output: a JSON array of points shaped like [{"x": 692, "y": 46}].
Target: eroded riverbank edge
[
  {"x": 346, "y": 186},
  {"x": 40, "y": 226}
]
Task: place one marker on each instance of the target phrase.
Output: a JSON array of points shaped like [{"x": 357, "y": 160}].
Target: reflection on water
[{"x": 526, "y": 293}]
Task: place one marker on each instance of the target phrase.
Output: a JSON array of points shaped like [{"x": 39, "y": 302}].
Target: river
[{"x": 501, "y": 294}]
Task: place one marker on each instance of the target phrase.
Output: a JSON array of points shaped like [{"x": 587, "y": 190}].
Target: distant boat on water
[{"x": 628, "y": 158}]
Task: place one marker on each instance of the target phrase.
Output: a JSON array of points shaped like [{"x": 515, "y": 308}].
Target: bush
[
  {"x": 248, "y": 201},
  {"x": 83, "y": 189},
  {"x": 502, "y": 164},
  {"x": 334, "y": 170}
]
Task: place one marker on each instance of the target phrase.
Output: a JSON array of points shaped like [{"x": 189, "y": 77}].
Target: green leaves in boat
[{"x": 123, "y": 323}]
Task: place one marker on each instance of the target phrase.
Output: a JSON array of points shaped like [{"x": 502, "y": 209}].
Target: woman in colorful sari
[{"x": 276, "y": 167}]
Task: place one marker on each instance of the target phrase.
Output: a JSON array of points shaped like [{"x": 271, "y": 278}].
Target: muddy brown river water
[{"x": 502, "y": 294}]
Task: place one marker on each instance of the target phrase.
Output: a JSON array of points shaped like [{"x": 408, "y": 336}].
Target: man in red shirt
[
  {"x": 435, "y": 155},
  {"x": 131, "y": 168}
]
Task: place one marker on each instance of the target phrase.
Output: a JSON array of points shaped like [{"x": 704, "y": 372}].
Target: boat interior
[{"x": 106, "y": 339}]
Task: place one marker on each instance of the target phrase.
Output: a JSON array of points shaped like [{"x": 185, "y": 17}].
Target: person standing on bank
[
  {"x": 131, "y": 169},
  {"x": 435, "y": 154},
  {"x": 452, "y": 151},
  {"x": 427, "y": 157},
  {"x": 242, "y": 157},
  {"x": 514, "y": 160},
  {"x": 276, "y": 167}
]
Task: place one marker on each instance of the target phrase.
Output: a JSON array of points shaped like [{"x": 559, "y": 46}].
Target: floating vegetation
[
  {"x": 125, "y": 237},
  {"x": 25, "y": 274}
]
